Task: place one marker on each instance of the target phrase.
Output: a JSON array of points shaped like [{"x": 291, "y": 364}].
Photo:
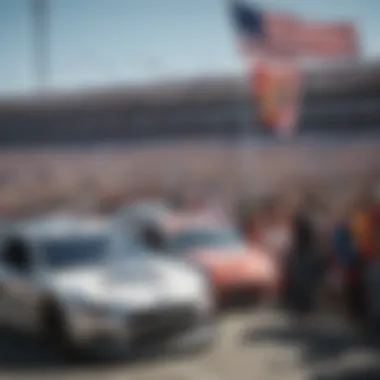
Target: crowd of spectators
[
  {"x": 323, "y": 248},
  {"x": 318, "y": 242}
]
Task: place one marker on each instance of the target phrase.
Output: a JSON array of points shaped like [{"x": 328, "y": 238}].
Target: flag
[
  {"x": 280, "y": 34},
  {"x": 277, "y": 40}
]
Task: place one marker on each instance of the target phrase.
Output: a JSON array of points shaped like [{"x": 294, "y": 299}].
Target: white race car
[{"x": 85, "y": 287}]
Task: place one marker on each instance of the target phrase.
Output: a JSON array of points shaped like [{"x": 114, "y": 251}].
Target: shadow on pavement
[
  {"x": 367, "y": 373},
  {"x": 326, "y": 342},
  {"x": 20, "y": 354}
]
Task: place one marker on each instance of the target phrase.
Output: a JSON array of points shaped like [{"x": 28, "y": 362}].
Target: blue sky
[{"x": 110, "y": 42}]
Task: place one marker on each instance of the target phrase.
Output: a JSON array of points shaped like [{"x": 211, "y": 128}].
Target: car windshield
[
  {"x": 204, "y": 238},
  {"x": 75, "y": 251},
  {"x": 130, "y": 246}
]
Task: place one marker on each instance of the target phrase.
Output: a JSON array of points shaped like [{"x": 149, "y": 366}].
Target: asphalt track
[{"x": 262, "y": 345}]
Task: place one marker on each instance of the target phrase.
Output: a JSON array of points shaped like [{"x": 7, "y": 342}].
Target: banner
[{"x": 277, "y": 91}]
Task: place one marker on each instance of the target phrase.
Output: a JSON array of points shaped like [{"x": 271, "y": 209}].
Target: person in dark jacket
[{"x": 302, "y": 264}]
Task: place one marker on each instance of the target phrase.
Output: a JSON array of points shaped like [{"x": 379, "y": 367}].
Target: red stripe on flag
[{"x": 288, "y": 36}]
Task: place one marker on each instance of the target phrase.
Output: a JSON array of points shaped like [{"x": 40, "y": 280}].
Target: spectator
[
  {"x": 253, "y": 216},
  {"x": 276, "y": 235},
  {"x": 347, "y": 258},
  {"x": 250, "y": 218},
  {"x": 361, "y": 225},
  {"x": 175, "y": 199},
  {"x": 216, "y": 205},
  {"x": 302, "y": 270},
  {"x": 371, "y": 250}
]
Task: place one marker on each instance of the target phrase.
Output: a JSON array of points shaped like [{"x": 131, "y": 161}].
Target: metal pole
[
  {"x": 245, "y": 145},
  {"x": 40, "y": 36},
  {"x": 245, "y": 121}
]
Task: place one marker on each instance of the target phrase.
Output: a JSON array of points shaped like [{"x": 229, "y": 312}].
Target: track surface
[{"x": 261, "y": 345}]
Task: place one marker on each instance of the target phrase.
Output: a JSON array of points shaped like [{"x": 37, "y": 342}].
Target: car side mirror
[{"x": 153, "y": 239}]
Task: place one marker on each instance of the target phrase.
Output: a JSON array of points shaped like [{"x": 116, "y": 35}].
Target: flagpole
[
  {"x": 245, "y": 143},
  {"x": 40, "y": 37},
  {"x": 245, "y": 125}
]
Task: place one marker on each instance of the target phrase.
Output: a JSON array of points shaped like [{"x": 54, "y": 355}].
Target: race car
[
  {"x": 85, "y": 288},
  {"x": 237, "y": 271},
  {"x": 136, "y": 217}
]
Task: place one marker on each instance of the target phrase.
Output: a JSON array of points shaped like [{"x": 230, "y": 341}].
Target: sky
[{"x": 115, "y": 42}]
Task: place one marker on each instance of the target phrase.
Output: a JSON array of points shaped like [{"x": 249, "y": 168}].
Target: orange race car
[{"x": 238, "y": 272}]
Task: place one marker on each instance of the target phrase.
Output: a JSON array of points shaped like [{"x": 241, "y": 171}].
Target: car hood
[
  {"x": 221, "y": 255},
  {"x": 242, "y": 261},
  {"x": 137, "y": 281}
]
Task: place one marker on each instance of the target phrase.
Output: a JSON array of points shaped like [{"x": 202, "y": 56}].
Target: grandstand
[
  {"x": 337, "y": 140},
  {"x": 337, "y": 99}
]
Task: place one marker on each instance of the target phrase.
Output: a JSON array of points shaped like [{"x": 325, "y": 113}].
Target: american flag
[{"x": 284, "y": 35}]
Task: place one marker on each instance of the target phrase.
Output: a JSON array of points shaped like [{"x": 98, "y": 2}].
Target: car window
[
  {"x": 16, "y": 255},
  {"x": 204, "y": 238},
  {"x": 130, "y": 245},
  {"x": 66, "y": 252}
]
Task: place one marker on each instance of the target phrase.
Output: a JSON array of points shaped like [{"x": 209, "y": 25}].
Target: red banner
[{"x": 277, "y": 91}]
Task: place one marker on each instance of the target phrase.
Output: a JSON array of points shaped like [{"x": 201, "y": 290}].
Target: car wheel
[
  {"x": 199, "y": 341},
  {"x": 209, "y": 339},
  {"x": 57, "y": 335}
]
